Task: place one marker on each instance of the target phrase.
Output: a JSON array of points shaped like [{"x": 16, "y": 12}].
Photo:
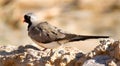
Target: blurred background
[{"x": 86, "y": 17}]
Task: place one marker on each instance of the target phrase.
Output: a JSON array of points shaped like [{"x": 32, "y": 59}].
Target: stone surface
[
  {"x": 97, "y": 61},
  {"x": 109, "y": 49},
  {"x": 105, "y": 54},
  {"x": 31, "y": 56}
]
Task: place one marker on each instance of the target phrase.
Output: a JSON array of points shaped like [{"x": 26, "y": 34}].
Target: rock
[
  {"x": 97, "y": 61},
  {"x": 117, "y": 50},
  {"x": 118, "y": 63},
  {"x": 105, "y": 54},
  {"x": 101, "y": 49},
  {"x": 31, "y": 56},
  {"x": 111, "y": 63}
]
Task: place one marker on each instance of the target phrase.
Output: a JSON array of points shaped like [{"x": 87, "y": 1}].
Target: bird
[{"x": 50, "y": 37}]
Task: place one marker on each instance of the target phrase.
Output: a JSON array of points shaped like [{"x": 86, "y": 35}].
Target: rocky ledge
[{"x": 107, "y": 53}]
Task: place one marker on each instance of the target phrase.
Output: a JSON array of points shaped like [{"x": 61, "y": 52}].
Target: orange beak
[{"x": 23, "y": 20}]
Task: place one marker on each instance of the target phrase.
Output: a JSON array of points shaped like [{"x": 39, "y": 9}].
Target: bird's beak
[{"x": 24, "y": 20}]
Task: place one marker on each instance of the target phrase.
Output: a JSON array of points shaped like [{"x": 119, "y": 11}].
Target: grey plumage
[{"x": 45, "y": 33}]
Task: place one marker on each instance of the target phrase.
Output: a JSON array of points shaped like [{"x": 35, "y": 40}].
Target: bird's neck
[{"x": 29, "y": 25}]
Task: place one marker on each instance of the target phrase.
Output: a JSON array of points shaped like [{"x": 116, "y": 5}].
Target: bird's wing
[{"x": 46, "y": 33}]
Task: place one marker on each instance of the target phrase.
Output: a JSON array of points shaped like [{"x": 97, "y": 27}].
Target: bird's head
[{"x": 30, "y": 18}]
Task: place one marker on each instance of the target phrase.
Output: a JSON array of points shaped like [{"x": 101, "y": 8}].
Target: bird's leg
[
  {"x": 51, "y": 52},
  {"x": 44, "y": 49},
  {"x": 61, "y": 47},
  {"x": 54, "y": 51}
]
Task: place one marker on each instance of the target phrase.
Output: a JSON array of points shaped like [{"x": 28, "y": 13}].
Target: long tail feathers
[{"x": 82, "y": 37}]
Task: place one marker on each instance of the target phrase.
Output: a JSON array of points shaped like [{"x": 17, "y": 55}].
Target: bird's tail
[{"x": 83, "y": 37}]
